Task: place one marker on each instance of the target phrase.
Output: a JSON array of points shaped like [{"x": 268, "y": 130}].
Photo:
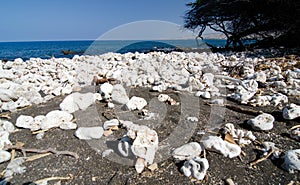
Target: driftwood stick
[
  {"x": 39, "y": 151},
  {"x": 263, "y": 158}
]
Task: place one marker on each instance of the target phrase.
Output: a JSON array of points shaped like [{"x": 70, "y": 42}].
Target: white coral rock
[
  {"x": 291, "y": 111},
  {"x": 262, "y": 122},
  {"x": 87, "y": 133},
  {"x": 136, "y": 103},
  {"x": 218, "y": 144},
  {"x": 291, "y": 160},
  {"x": 4, "y": 156},
  {"x": 187, "y": 151},
  {"x": 55, "y": 119},
  {"x": 24, "y": 121},
  {"x": 197, "y": 167}
]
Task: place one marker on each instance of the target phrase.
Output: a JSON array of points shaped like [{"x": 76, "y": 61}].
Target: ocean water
[{"x": 48, "y": 49}]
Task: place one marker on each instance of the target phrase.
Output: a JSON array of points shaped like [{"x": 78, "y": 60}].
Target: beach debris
[
  {"x": 153, "y": 167},
  {"x": 87, "y": 133},
  {"x": 192, "y": 119},
  {"x": 217, "y": 144},
  {"x": 269, "y": 149},
  {"x": 167, "y": 98},
  {"x": 240, "y": 136},
  {"x": 291, "y": 161},
  {"x": 229, "y": 181},
  {"x": 187, "y": 151},
  {"x": 57, "y": 118},
  {"x": 295, "y": 132},
  {"x": 262, "y": 122},
  {"x": 4, "y": 156},
  {"x": 7, "y": 126},
  {"x": 24, "y": 121},
  {"x": 124, "y": 145},
  {"x": 110, "y": 124},
  {"x": 207, "y": 79},
  {"x": 77, "y": 101},
  {"x": 205, "y": 94},
  {"x": 45, "y": 181},
  {"x": 20, "y": 146},
  {"x": 105, "y": 90},
  {"x": 245, "y": 91},
  {"x": 136, "y": 103},
  {"x": 143, "y": 143},
  {"x": 119, "y": 95},
  {"x": 4, "y": 139},
  {"x": 106, "y": 153},
  {"x": 291, "y": 111},
  {"x": 196, "y": 167},
  {"x": 15, "y": 167}
]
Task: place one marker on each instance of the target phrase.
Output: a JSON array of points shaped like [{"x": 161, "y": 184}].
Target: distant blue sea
[{"x": 48, "y": 49}]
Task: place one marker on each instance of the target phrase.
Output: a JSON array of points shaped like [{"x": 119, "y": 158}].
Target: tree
[{"x": 268, "y": 22}]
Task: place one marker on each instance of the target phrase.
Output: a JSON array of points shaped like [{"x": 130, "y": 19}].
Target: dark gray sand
[{"x": 92, "y": 168}]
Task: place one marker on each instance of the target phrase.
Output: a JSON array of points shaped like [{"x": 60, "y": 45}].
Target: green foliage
[{"x": 270, "y": 22}]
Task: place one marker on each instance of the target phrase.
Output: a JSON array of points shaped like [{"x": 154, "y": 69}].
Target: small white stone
[
  {"x": 106, "y": 89},
  {"x": 7, "y": 126},
  {"x": 262, "y": 122},
  {"x": 163, "y": 97},
  {"x": 87, "y": 133},
  {"x": 187, "y": 151},
  {"x": 206, "y": 95},
  {"x": 291, "y": 161},
  {"x": 110, "y": 123},
  {"x": 24, "y": 121},
  {"x": 136, "y": 103},
  {"x": 291, "y": 111},
  {"x": 193, "y": 119},
  {"x": 4, "y": 156}
]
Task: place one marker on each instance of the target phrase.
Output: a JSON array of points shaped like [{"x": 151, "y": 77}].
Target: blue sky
[{"x": 27, "y": 20}]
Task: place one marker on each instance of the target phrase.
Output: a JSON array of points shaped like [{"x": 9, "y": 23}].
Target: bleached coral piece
[
  {"x": 56, "y": 118},
  {"x": 241, "y": 136},
  {"x": 291, "y": 111},
  {"x": 187, "y": 151},
  {"x": 218, "y": 144},
  {"x": 197, "y": 167},
  {"x": 262, "y": 122},
  {"x": 291, "y": 161},
  {"x": 87, "y": 133},
  {"x": 136, "y": 103},
  {"x": 14, "y": 167},
  {"x": 4, "y": 156},
  {"x": 24, "y": 121},
  {"x": 144, "y": 145}
]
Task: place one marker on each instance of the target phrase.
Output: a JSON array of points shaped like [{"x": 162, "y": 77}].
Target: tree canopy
[{"x": 268, "y": 22}]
